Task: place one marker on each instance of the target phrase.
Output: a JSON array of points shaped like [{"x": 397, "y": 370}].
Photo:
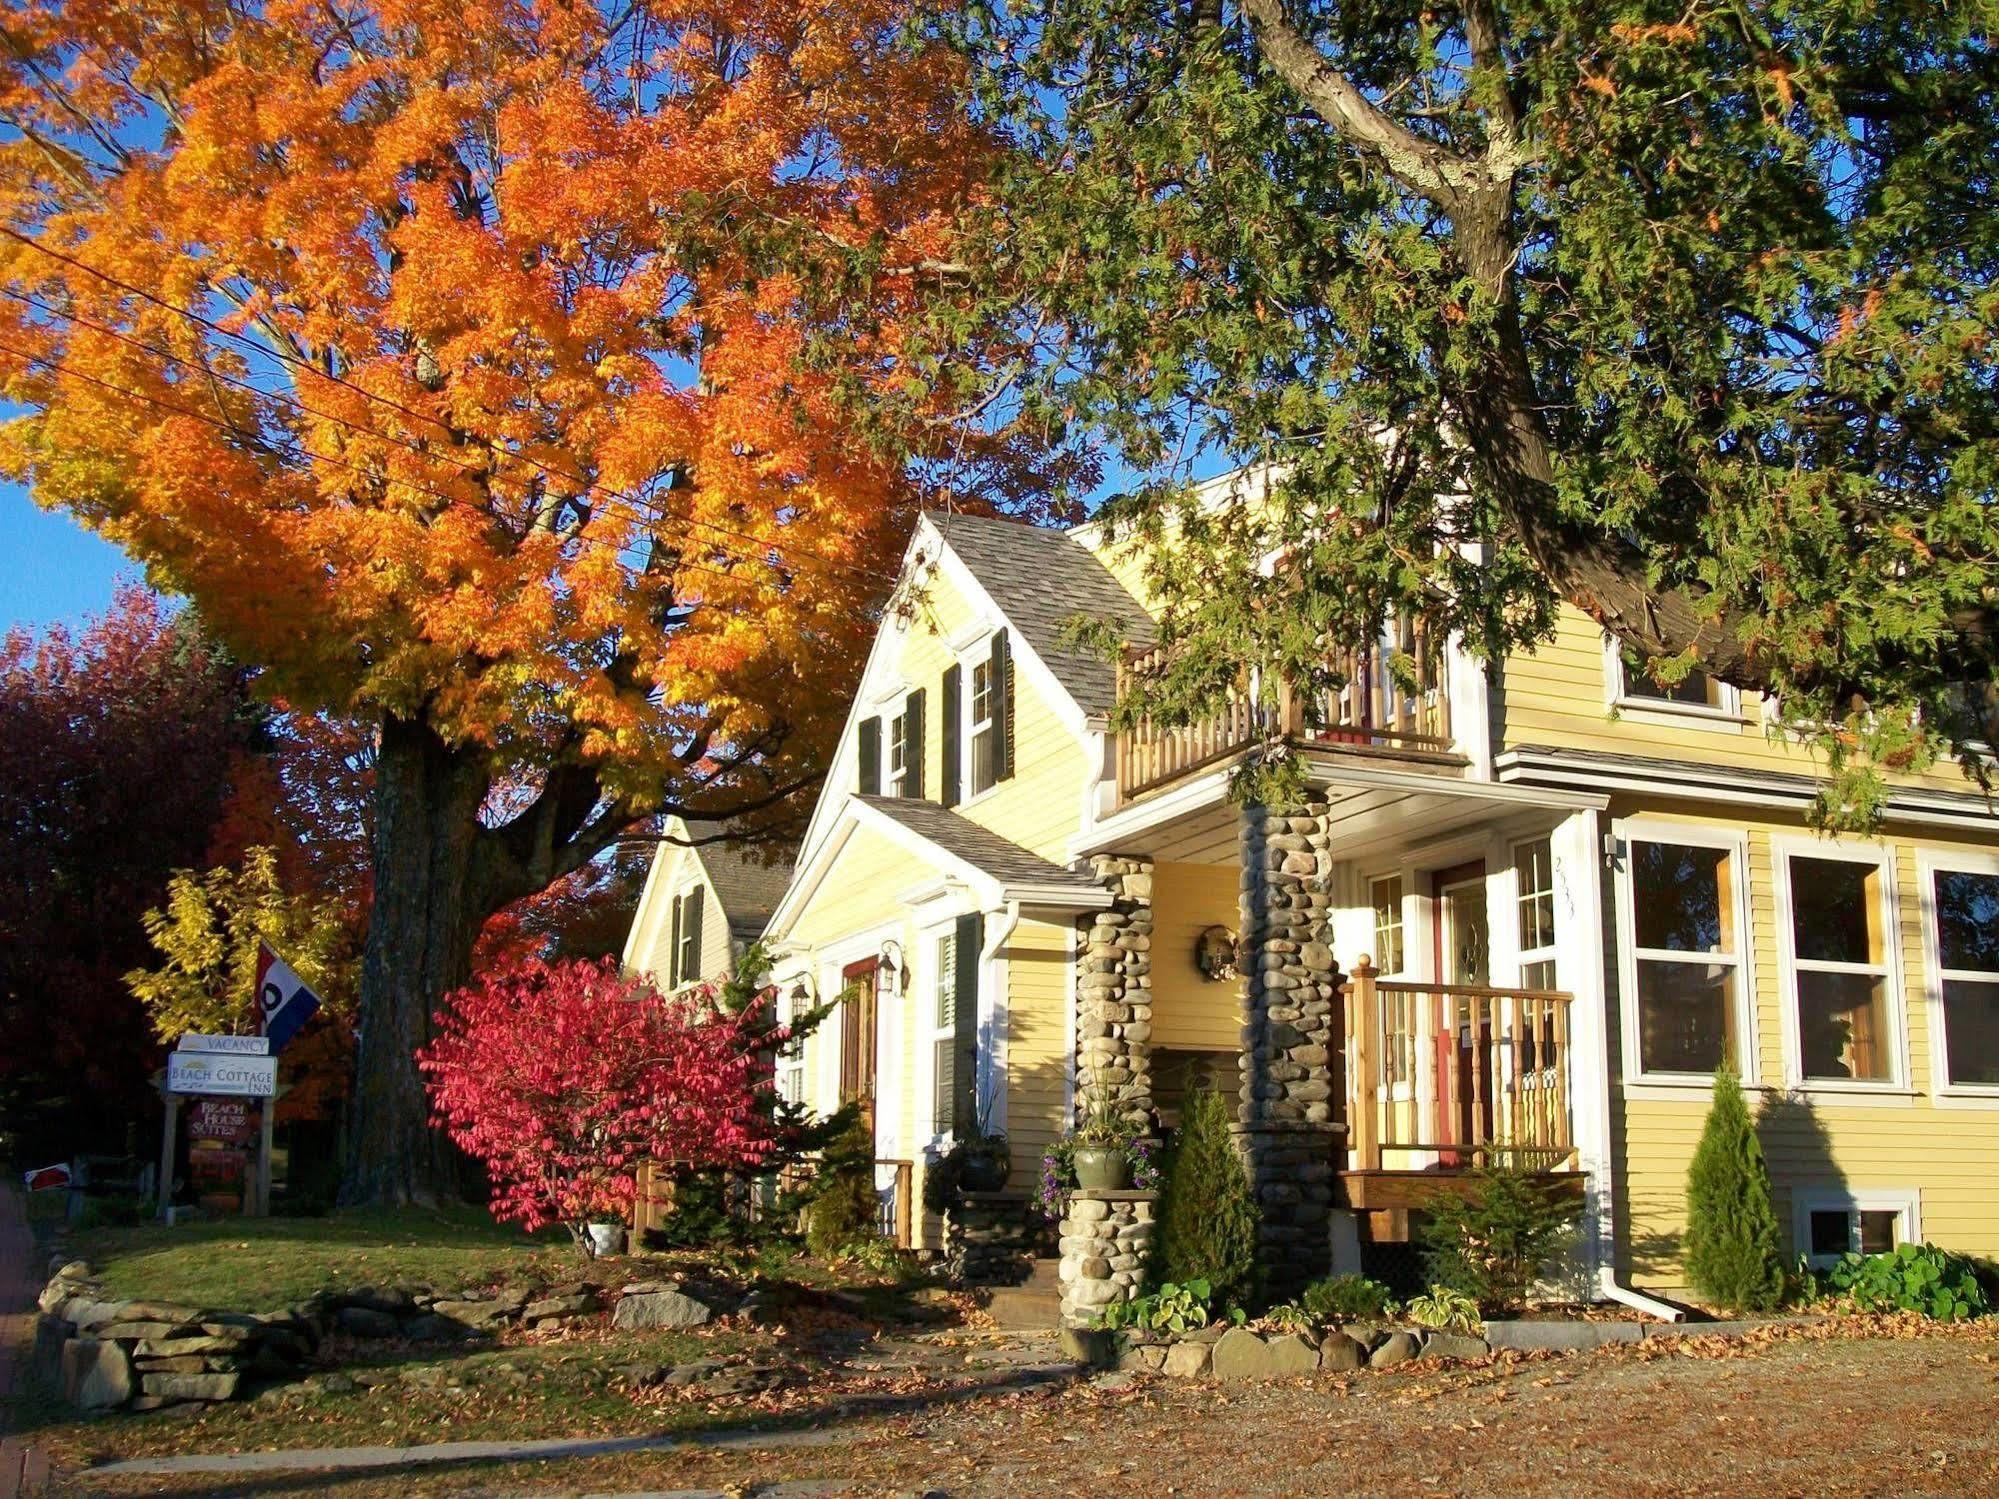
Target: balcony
[
  {"x": 1443, "y": 1077},
  {"x": 1395, "y": 701}
]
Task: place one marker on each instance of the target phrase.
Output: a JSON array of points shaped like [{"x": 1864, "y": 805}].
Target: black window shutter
[
  {"x": 965, "y": 1027},
  {"x": 953, "y": 711},
  {"x": 673, "y": 952},
  {"x": 1002, "y": 668},
  {"x": 869, "y": 737},
  {"x": 912, "y": 744},
  {"x": 693, "y": 936}
]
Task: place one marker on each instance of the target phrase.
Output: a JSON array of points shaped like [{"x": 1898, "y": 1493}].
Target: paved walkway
[{"x": 23, "y": 1469}]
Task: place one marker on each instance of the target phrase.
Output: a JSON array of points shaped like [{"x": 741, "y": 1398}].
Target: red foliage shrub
[{"x": 563, "y": 1078}]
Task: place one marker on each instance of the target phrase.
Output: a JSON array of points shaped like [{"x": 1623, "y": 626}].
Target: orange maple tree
[{"x": 486, "y": 371}]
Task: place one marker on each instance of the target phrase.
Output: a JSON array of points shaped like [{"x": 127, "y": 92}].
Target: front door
[
  {"x": 858, "y": 1019},
  {"x": 1463, "y": 930}
]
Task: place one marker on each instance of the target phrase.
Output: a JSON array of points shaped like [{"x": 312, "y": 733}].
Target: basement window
[{"x": 1832, "y": 1224}]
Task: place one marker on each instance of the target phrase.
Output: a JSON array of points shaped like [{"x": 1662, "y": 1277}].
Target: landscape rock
[
  {"x": 1089, "y": 1345},
  {"x": 368, "y": 1322},
  {"x": 641, "y": 1376},
  {"x": 657, "y": 1309},
  {"x": 181, "y": 1347},
  {"x": 432, "y": 1328},
  {"x": 1340, "y": 1354},
  {"x": 392, "y": 1301},
  {"x": 568, "y": 1304},
  {"x": 478, "y": 1314},
  {"x": 192, "y": 1386},
  {"x": 136, "y": 1330},
  {"x": 1396, "y": 1348},
  {"x": 74, "y": 1270},
  {"x": 96, "y": 1374},
  {"x": 1240, "y": 1355},
  {"x": 1188, "y": 1360},
  {"x": 695, "y": 1371}
]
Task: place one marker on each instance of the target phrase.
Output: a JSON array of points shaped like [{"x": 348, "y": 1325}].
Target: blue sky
[{"x": 51, "y": 569}]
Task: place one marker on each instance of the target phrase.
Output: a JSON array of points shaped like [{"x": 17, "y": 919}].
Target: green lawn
[{"x": 257, "y": 1264}]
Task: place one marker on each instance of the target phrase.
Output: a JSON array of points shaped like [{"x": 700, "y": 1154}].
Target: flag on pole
[{"x": 284, "y": 1003}]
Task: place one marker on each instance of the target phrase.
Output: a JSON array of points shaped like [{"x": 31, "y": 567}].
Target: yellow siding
[
  {"x": 1950, "y": 1155},
  {"x": 1037, "y": 1054},
  {"x": 1188, "y": 1011},
  {"x": 1557, "y": 696},
  {"x": 860, "y": 891}
]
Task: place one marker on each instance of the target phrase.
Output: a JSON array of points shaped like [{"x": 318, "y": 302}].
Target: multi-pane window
[
  {"x": 791, "y": 1003},
  {"x": 979, "y": 727},
  {"x": 1830, "y": 1229},
  {"x": 898, "y": 753},
  {"x": 1386, "y": 895},
  {"x": 1967, "y": 933},
  {"x": 1694, "y": 690},
  {"x": 1687, "y": 955},
  {"x": 1534, "y": 897},
  {"x": 1839, "y": 968},
  {"x": 943, "y": 1034}
]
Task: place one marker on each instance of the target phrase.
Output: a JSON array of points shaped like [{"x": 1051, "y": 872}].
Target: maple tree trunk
[{"x": 427, "y": 912}]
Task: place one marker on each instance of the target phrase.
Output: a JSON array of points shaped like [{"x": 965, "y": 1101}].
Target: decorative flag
[
  {"x": 284, "y": 1003},
  {"x": 46, "y": 1178}
]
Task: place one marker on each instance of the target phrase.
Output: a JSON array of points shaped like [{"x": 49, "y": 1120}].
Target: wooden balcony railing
[
  {"x": 1395, "y": 696},
  {"x": 1454, "y": 1075}
]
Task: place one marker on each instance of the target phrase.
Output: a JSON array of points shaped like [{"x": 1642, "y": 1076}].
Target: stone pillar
[
  {"x": 1106, "y": 1237},
  {"x": 1114, "y": 986},
  {"x": 989, "y": 1239},
  {"x": 1285, "y": 1127}
]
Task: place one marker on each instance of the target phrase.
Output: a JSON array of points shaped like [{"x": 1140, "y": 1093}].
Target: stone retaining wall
[
  {"x": 111, "y": 1352},
  {"x": 1106, "y": 1238},
  {"x": 1237, "y": 1353}
]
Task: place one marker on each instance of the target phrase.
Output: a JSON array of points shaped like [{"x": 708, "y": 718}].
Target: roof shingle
[{"x": 982, "y": 848}]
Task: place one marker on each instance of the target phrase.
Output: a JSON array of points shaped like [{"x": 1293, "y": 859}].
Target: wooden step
[{"x": 1035, "y": 1303}]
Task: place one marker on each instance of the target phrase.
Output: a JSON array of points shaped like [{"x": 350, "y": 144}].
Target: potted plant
[{"x": 1104, "y": 1139}]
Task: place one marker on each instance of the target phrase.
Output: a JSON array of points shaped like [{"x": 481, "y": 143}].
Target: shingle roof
[
  {"x": 981, "y": 847},
  {"x": 748, "y": 888},
  {"x": 1041, "y": 579}
]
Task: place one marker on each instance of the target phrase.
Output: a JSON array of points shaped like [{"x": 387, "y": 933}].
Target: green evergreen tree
[
  {"x": 1734, "y": 1255},
  {"x": 1208, "y": 1220},
  {"x": 845, "y": 1206}
]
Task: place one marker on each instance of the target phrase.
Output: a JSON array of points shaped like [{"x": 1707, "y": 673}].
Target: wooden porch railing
[
  {"x": 1395, "y": 696},
  {"x": 1456, "y": 1072}
]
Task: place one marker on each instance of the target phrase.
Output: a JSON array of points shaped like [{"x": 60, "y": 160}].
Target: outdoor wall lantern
[{"x": 1215, "y": 954}]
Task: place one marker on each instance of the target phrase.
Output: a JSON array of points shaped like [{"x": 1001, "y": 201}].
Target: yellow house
[
  {"x": 706, "y": 897},
  {"x": 1526, "y": 908}
]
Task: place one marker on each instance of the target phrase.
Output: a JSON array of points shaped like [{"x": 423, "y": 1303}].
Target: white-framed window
[
  {"x": 1534, "y": 902},
  {"x": 941, "y": 1027},
  {"x": 792, "y": 1001},
  {"x": 1682, "y": 918},
  {"x": 1961, "y": 914},
  {"x": 981, "y": 743},
  {"x": 1695, "y": 695},
  {"x": 896, "y": 774},
  {"x": 1829, "y": 1222},
  {"x": 1391, "y": 956},
  {"x": 1836, "y": 933}
]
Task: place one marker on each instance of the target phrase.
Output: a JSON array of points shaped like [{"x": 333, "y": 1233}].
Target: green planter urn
[{"x": 1103, "y": 1168}]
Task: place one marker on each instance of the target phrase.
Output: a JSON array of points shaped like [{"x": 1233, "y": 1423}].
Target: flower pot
[
  {"x": 1103, "y": 1168},
  {"x": 605, "y": 1238},
  {"x": 982, "y": 1171}
]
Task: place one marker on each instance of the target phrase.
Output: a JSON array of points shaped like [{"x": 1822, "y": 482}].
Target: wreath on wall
[{"x": 1215, "y": 954}]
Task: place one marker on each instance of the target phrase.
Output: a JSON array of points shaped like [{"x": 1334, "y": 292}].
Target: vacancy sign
[{"x": 284, "y": 1003}]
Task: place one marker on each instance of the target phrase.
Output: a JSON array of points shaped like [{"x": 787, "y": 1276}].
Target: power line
[
  {"x": 258, "y": 438},
  {"x": 284, "y": 357}
]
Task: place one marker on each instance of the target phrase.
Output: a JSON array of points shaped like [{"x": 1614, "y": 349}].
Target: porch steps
[{"x": 1035, "y": 1303}]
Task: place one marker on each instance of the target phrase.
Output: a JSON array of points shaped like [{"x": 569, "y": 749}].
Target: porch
[{"x": 1381, "y": 977}]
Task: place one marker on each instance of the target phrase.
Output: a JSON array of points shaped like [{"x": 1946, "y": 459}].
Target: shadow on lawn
[{"x": 794, "y": 1431}]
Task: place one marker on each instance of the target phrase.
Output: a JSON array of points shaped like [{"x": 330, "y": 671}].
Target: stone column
[
  {"x": 1114, "y": 986},
  {"x": 1106, "y": 1237},
  {"x": 1285, "y": 1121}
]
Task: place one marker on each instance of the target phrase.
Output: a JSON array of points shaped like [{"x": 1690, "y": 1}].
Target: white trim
[
  {"x": 1535, "y": 765},
  {"x": 1929, "y": 863},
  {"x": 1725, "y": 716},
  {"x": 1905, "y": 1202},
  {"x": 1576, "y": 850},
  {"x": 995, "y": 972},
  {"x": 1784, "y": 847},
  {"x": 928, "y": 1136},
  {"x": 1648, "y": 830}
]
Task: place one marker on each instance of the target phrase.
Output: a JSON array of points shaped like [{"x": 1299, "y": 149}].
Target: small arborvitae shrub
[
  {"x": 1914, "y": 1278},
  {"x": 1493, "y": 1242},
  {"x": 1208, "y": 1221},
  {"x": 845, "y": 1207},
  {"x": 1346, "y": 1298},
  {"x": 1734, "y": 1253}
]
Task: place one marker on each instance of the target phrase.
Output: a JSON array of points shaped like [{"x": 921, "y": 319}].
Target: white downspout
[{"x": 990, "y": 973}]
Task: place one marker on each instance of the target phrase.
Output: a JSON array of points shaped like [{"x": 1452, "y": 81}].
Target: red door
[
  {"x": 858, "y": 1023},
  {"x": 1463, "y": 935}
]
